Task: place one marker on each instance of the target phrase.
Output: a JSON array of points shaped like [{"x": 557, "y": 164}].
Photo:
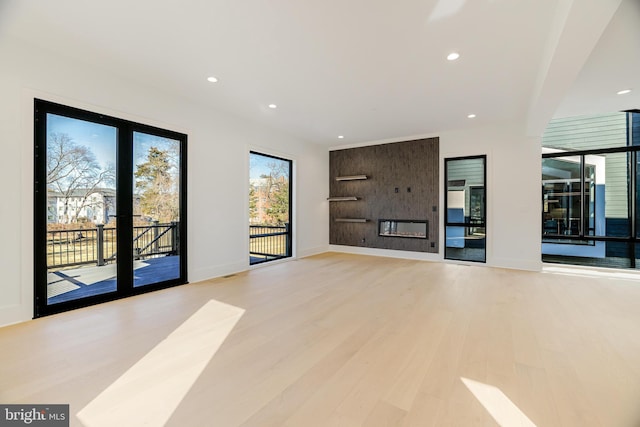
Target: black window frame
[
  {"x": 289, "y": 232},
  {"x": 632, "y": 164},
  {"x": 465, "y": 225}
]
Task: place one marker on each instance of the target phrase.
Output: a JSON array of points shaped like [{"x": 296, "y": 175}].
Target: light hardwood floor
[{"x": 343, "y": 340}]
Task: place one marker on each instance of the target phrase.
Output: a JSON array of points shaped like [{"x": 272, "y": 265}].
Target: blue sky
[
  {"x": 101, "y": 139},
  {"x": 259, "y": 165}
]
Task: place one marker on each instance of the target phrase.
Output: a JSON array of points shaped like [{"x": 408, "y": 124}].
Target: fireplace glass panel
[{"x": 403, "y": 228}]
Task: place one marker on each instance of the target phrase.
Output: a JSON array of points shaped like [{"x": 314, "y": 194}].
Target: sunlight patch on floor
[
  {"x": 499, "y": 406},
  {"x": 588, "y": 272},
  {"x": 150, "y": 391}
]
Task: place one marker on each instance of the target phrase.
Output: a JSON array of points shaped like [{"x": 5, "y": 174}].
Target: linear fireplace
[{"x": 403, "y": 228}]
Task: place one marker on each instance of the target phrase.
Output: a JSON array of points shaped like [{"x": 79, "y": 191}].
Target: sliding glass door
[{"x": 109, "y": 208}]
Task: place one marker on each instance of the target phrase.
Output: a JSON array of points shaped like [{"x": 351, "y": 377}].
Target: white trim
[
  {"x": 209, "y": 273},
  {"x": 313, "y": 251}
]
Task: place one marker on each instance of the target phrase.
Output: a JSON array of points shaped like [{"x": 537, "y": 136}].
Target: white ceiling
[{"x": 367, "y": 69}]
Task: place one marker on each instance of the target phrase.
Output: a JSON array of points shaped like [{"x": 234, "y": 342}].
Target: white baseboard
[
  {"x": 517, "y": 264},
  {"x": 12, "y": 314},
  {"x": 198, "y": 275},
  {"x": 510, "y": 263},
  {"x": 312, "y": 251},
  {"x": 389, "y": 253}
]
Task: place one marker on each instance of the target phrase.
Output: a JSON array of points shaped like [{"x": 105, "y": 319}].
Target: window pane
[
  {"x": 465, "y": 243},
  {"x": 566, "y": 203},
  {"x": 156, "y": 209},
  {"x": 465, "y": 191},
  {"x": 81, "y": 205},
  {"x": 605, "y": 189}
]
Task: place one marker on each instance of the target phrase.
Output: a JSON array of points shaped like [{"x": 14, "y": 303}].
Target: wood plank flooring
[{"x": 348, "y": 340}]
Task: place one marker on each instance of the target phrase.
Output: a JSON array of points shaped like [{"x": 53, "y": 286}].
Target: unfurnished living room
[{"x": 337, "y": 213}]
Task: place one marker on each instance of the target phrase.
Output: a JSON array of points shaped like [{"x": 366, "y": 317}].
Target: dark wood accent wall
[{"x": 411, "y": 167}]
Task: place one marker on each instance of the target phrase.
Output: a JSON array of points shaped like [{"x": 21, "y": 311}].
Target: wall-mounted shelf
[
  {"x": 351, "y": 220},
  {"x": 351, "y": 177},
  {"x": 342, "y": 199}
]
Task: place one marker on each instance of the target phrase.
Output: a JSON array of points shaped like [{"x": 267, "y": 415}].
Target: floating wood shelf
[
  {"x": 342, "y": 199},
  {"x": 350, "y": 177},
  {"x": 351, "y": 220}
]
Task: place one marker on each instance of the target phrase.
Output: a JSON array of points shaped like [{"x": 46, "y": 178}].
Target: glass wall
[{"x": 589, "y": 191}]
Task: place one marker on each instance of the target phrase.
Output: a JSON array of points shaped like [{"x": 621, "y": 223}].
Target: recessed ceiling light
[
  {"x": 453, "y": 56},
  {"x": 471, "y": 116},
  {"x": 340, "y": 136},
  {"x": 624, "y": 91},
  {"x": 212, "y": 79},
  {"x": 273, "y": 106}
]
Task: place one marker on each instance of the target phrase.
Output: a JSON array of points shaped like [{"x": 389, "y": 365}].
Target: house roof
[{"x": 367, "y": 70}]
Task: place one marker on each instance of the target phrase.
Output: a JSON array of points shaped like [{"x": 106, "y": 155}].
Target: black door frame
[
  {"x": 124, "y": 206},
  {"x": 466, "y": 225}
]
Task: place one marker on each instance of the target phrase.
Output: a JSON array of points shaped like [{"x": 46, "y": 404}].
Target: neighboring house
[
  {"x": 261, "y": 200},
  {"x": 96, "y": 206}
]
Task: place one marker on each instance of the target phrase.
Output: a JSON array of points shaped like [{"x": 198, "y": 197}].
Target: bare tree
[{"x": 73, "y": 172}]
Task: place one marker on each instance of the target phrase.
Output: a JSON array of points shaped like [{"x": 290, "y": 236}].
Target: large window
[
  {"x": 465, "y": 217},
  {"x": 590, "y": 190},
  {"x": 109, "y": 208},
  {"x": 270, "y": 232}
]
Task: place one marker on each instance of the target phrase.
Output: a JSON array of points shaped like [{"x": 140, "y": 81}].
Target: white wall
[
  {"x": 513, "y": 194},
  {"x": 218, "y": 147},
  {"x": 513, "y": 190}
]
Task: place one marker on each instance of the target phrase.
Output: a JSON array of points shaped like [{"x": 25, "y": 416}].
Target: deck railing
[
  {"x": 269, "y": 242},
  {"x": 98, "y": 245}
]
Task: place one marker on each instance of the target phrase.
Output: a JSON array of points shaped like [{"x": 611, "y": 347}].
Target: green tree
[
  {"x": 278, "y": 209},
  {"x": 277, "y": 193},
  {"x": 253, "y": 203},
  {"x": 156, "y": 183}
]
